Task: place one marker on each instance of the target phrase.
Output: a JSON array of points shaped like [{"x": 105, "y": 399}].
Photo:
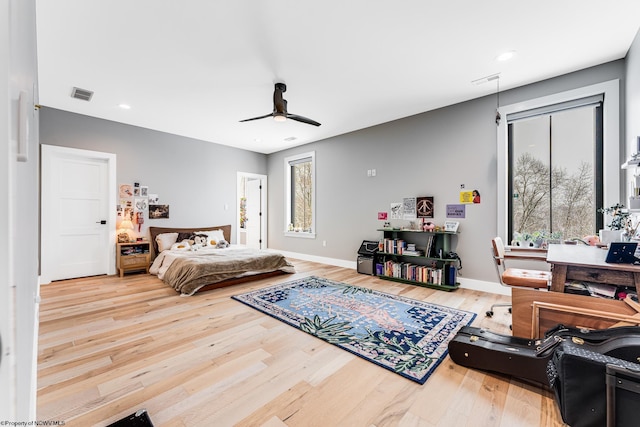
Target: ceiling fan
[{"x": 280, "y": 113}]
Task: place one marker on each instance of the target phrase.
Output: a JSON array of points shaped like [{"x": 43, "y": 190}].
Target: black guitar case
[
  {"x": 525, "y": 358},
  {"x": 578, "y": 373},
  {"x": 482, "y": 349}
]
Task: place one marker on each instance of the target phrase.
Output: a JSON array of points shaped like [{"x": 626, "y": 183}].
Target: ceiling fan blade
[
  {"x": 257, "y": 118},
  {"x": 302, "y": 119}
]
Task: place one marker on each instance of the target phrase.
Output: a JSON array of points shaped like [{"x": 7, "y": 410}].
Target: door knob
[{"x": 104, "y": 221}]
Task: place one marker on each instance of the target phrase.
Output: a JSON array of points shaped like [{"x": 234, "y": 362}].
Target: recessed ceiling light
[
  {"x": 291, "y": 138},
  {"x": 125, "y": 106},
  {"x": 506, "y": 56}
]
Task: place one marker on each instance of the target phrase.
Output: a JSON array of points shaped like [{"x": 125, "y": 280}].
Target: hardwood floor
[{"x": 109, "y": 346}]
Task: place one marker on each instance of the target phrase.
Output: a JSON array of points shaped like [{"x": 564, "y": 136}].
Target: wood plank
[{"x": 109, "y": 346}]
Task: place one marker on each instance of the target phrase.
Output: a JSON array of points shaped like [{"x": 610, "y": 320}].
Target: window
[
  {"x": 555, "y": 171},
  {"x": 300, "y": 195},
  {"x": 609, "y": 181}
]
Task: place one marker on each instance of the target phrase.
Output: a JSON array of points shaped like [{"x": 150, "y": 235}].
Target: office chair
[{"x": 515, "y": 277}]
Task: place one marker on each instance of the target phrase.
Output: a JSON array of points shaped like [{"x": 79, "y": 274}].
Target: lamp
[{"x": 123, "y": 231}]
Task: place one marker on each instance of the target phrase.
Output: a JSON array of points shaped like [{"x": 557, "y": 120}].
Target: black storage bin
[{"x": 366, "y": 254}]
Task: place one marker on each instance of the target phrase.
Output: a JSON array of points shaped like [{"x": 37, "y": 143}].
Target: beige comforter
[{"x": 188, "y": 271}]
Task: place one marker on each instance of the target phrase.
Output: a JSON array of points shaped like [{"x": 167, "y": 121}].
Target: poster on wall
[
  {"x": 409, "y": 208},
  {"x": 469, "y": 197},
  {"x": 424, "y": 207},
  {"x": 141, "y": 204},
  {"x": 126, "y": 191},
  {"x": 396, "y": 210},
  {"x": 158, "y": 211},
  {"x": 455, "y": 211}
]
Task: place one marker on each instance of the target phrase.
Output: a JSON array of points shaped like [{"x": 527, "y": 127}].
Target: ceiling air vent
[{"x": 83, "y": 94}]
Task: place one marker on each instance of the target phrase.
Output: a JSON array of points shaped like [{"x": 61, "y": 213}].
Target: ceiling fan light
[{"x": 280, "y": 118}]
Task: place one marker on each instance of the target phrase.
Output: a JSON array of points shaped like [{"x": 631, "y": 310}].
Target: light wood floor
[{"x": 109, "y": 346}]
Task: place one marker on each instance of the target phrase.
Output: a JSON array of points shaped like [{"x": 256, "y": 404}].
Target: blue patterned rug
[{"x": 406, "y": 336}]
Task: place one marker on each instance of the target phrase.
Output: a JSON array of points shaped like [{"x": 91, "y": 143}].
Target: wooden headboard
[{"x": 154, "y": 231}]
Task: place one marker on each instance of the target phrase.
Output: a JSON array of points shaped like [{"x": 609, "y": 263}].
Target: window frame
[
  {"x": 287, "y": 183},
  {"x": 611, "y": 144},
  {"x": 597, "y": 108}
]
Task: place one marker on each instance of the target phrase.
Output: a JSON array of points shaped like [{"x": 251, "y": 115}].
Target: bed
[{"x": 209, "y": 267}]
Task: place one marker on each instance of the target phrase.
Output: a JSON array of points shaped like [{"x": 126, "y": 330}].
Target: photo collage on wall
[{"x": 136, "y": 204}]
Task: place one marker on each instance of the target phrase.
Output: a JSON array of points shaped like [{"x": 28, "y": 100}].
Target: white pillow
[
  {"x": 166, "y": 240},
  {"x": 181, "y": 246},
  {"x": 214, "y": 236}
]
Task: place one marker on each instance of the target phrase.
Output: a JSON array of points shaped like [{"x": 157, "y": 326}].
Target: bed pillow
[
  {"x": 184, "y": 236},
  {"x": 213, "y": 236},
  {"x": 166, "y": 240}
]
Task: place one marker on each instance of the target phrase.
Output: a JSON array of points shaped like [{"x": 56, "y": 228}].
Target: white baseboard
[
  {"x": 481, "y": 285},
  {"x": 473, "y": 284},
  {"x": 320, "y": 259}
]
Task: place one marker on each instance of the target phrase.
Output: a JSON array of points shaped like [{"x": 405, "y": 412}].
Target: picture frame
[
  {"x": 451, "y": 226},
  {"x": 158, "y": 211}
]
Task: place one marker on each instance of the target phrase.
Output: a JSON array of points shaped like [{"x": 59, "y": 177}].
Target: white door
[
  {"x": 76, "y": 220},
  {"x": 254, "y": 188},
  {"x": 253, "y": 224}
]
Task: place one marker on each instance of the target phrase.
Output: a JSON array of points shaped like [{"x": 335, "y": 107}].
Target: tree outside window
[{"x": 300, "y": 182}]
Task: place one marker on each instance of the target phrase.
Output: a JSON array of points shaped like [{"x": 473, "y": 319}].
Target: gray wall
[
  {"x": 430, "y": 154},
  {"x": 195, "y": 178}
]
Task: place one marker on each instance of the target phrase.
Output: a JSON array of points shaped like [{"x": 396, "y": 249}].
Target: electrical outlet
[
  {"x": 373, "y": 172},
  {"x": 324, "y": 243},
  {"x": 368, "y": 172}
]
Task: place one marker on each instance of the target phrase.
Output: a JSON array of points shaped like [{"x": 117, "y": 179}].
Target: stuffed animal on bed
[
  {"x": 199, "y": 241},
  {"x": 222, "y": 244},
  {"x": 185, "y": 245}
]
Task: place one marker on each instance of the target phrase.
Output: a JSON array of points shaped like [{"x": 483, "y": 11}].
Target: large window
[
  {"x": 562, "y": 160},
  {"x": 300, "y": 195},
  {"x": 555, "y": 171}
]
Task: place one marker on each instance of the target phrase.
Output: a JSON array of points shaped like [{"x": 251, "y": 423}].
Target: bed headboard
[{"x": 154, "y": 231}]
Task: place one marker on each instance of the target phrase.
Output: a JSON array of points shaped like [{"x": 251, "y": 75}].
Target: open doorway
[{"x": 251, "y": 224}]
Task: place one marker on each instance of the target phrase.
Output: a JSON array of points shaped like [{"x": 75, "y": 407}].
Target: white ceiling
[{"x": 197, "y": 67}]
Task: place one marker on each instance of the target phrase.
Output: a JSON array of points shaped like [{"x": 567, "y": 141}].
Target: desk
[
  {"x": 586, "y": 263},
  {"x": 536, "y": 311}
]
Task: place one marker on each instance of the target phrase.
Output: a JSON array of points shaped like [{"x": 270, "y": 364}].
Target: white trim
[
  {"x": 323, "y": 260},
  {"x": 483, "y": 286},
  {"x": 287, "y": 192},
  {"x": 110, "y": 158},
  {"x": 611, "y": 149}
]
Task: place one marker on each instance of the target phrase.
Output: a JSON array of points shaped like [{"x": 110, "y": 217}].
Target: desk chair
[{"x": 515, "y": 277}]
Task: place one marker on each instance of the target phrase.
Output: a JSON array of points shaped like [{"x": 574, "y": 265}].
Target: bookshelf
[{"x": 417, "y": 257}]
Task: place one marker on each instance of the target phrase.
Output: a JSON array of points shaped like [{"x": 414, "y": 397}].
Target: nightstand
[{"x": 132, "y": 257}]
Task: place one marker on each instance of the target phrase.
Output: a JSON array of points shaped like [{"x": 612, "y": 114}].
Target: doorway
[
  {"x": 251, "y": 224},
  {"x": 78, "y": 213}
]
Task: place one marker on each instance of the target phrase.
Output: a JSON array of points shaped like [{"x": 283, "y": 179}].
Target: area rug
[{"x": 406, "y": 336}]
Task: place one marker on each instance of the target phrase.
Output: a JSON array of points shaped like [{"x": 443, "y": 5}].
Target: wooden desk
[
  {"x": 534, "y": 312},
  {"x": 586, "y": 263}
]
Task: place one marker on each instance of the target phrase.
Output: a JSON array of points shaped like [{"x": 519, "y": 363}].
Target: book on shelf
[
  {"x": 417, "y": 273},
  {"x": 411, "y": 252}
]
